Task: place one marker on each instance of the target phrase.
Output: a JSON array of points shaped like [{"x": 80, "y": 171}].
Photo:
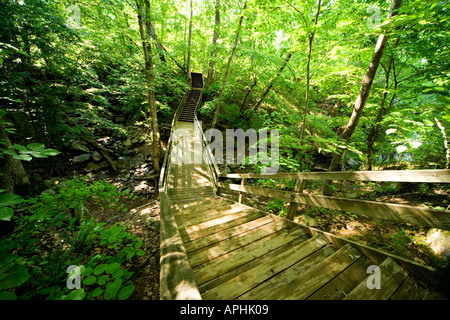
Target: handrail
[
  {"x": 430, "y": 176},
  {"x": 210, "y": 161},
  {"x": 396, "y": 212}
]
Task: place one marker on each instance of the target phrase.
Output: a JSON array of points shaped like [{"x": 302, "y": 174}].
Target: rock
[
  {"x": 81, "y": 158},
  {"x": 154, "y": 224},
  {"x": 309, "y": 221},
  {"x": 78, "y": 146},
  {"x": 439, "y": 241},
  {"x": 96, "y": 156},
  {"x": 92, "y": 166}
]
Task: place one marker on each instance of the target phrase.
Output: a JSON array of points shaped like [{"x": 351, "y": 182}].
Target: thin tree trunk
[
  {"x": 244, "y": 103},
  {"x": 224, "y": 81},
  {"x": 152, "y": 33},
  {"x": 188, "y": 65},
  {"x": 272, "y": 81},
  {"x": 212, "y": 61},
  {"x": 375, "y": 128},
  {"x": 143, "y": 15},
  {"x": 363, "y": 94},
  {"x": 446, "y": 144},
  {"x": 308, "y": 74}
]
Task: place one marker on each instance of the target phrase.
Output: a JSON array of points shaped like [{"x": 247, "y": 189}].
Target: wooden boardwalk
[{"x": 238, "y": 252}]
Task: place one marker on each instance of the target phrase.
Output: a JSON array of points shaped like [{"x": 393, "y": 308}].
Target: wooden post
[
  {"x": 242, "y": 194},
  {"x": 293, "y": 206}
]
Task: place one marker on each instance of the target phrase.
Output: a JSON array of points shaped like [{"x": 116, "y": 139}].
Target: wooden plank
[
  {"x": 423, "y": 272},
  {"x": 266, "y": 288},
  {"x": 235, "y": 214},
  {"x": 391, "y": 277},
  {"x": 263, "y": 259},
  {"x": 249, "y": 216},
  {"x": 345, "y": 282},
  {"x": 293, "y": 206},
  {"x": 397, "y": 212},
  {"x": 234, "y": 243},
  {"x": 246, "y": 281},
  {"x": 410, "y": 289},
  {"x": 227, "y": 262},
  {"x": 242, "y": 194},
  {"x": 310, "y": 281},
  {"x": 206, "y": 214},
  {"x": 228, "y": 233},
  {"x": 431, "y": 176}
]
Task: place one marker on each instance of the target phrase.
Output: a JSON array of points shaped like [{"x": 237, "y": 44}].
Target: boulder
[
  {"x": 309, "y": 221},
  {"x": 96, "y": 156},
  {"x": 81, "y": 158},
  {"x": 439, "y": 241}
]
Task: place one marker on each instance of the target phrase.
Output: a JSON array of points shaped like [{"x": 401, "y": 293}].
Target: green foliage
[
  {"x": 54, "y": 222},
  {"x": 277, "y": 206}
]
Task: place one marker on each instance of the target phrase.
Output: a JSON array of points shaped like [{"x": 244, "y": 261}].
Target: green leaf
[
  {"x": 102, "y": 280},
  {"x": 96, "y": 292},
  {"x": 112, "y": 267},
  {"x": 90, "y": 280},
  {"x": 111, "y": 289},
  {"x": 51, "y": 152},
  {"x": 6, "y": 213},
  {"x": 24, "y": 157},
  {"x": 35, "y": 146},
  {"x": 7, "y": 199},
  {"x": 78, "y": 294},
  {"x": 125, "y": 292},
  {"x": 14, "y": 279},
  {"x": 99, "y": 269}
]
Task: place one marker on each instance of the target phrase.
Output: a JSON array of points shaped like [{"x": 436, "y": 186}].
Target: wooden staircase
[
  {"x": 238, "y": 252},
  {"x": 215, "y": 248}
]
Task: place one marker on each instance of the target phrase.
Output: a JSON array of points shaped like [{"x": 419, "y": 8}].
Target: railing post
[
  {"x": 293, "y": 206},
  {"x": 242, "y": 194}
]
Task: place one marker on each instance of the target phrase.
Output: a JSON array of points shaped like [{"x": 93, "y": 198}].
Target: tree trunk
[
  {"x": 375, "y": 128},
  {"x": 363, "y": 94},
  {"x": 143, "y": 16},
  {"x": 13, "y": 177},
  {"x": 446, "y": 144},
  {"x": 224, "y": 81},
  {"x": 212, "y": 61},
  {"x": 272, "y": 81},
  {"x": 188, "y": 64}
]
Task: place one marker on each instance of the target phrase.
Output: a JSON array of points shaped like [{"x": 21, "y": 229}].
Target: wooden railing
[{"x": 397, "y": 212}]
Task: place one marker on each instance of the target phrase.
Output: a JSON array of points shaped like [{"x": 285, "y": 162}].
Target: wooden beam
[
  {"x": 176, "y": 278},
  {"x": 397, "y": 212},
  {"x": 429, "y": 176},
  {"x": 293, "y": 206},
  {"x": 242, "y": 194}
]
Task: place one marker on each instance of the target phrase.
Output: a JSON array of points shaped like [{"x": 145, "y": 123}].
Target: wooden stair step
[
  {"x": 220, "y": 236},
  {"x": 262, "y": 259},
  {"x": 311, "y": 280},
  {"x": 234, "y": 243},
  {"x": 286, "y": 276},
  {"x": 207, "y": 214},
  {"x": 220, "y": 265},
  {"x": 250, "y": 279},
  {"x": 345, "y": 282},
  {"x": 392, "y": 276},
  {"x": 209, "y": 227}
]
